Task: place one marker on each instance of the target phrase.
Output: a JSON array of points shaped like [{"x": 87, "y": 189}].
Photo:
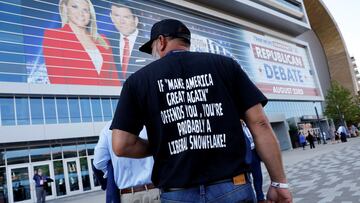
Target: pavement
[{"x": 328, "y": 173}]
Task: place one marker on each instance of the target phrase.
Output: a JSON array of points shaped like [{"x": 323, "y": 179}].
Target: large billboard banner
[
  {"x": 95, "y": 42},
  {"x": 281, "y": 68}
]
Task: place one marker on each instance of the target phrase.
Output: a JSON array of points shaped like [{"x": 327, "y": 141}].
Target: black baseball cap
[{"x": 167, "y": 28}]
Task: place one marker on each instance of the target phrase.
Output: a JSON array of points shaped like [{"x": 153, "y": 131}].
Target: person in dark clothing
[
  {"x": 318, "y": 138},
  {"x": 194, "y": 153},
  {"x": 337, "y": 137},
  {"x": 40, "y": 182},
  {"x": 310, "y": 138}
]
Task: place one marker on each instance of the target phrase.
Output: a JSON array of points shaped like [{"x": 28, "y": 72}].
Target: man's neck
[{"x": 177, "y": 48}]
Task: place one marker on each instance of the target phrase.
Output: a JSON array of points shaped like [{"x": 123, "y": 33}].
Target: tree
[{"x": 340, "y": 103}]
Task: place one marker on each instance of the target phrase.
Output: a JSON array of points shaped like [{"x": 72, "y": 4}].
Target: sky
[{"x": 347, "y": 16}]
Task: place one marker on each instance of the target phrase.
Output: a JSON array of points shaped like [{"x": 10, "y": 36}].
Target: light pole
[
  {"x": 318, "y": 121},
  {"x": 340, "y": 115}
]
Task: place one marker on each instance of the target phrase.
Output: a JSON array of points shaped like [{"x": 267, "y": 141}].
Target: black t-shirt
[{"x": 191, "y": 104}]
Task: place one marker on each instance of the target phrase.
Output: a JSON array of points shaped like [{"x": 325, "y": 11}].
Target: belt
[
  {"x": 138, "y": 188},
  {"x": 245, "y": 175}
]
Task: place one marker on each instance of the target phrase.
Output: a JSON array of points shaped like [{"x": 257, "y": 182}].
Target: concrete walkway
[{"x": 328, "y": 173}]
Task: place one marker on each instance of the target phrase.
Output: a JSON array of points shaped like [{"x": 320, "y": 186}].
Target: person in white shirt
[{"x": 132, "y": 176}]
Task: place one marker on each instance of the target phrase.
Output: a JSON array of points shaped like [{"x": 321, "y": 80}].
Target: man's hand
[{"x": 278, "y": 195}]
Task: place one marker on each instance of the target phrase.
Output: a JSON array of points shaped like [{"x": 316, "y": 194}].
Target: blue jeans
[{"x": 224, "y": 192}]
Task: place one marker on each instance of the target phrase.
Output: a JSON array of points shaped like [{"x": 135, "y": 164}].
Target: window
[
  {"x": 114, "y": 103},
  {"x": 82, "y": 149},
  {"x": 90, "y": 148},
  {"x": 50, "y": 111},
  {"x": 7, "y": 111},
  {"x": 59, "y": 178},
  {"x": 3, "y": 185},
  {"x": 40, "y": 153},
  {"x": 96, "y": 109},
  {"x": 36, "y": 109},
  {"x": 74, "y": 110},
  {"x": 62, "y": 110},
  {"x": 2, "y": 157},
  {"x": 106, "y": 109},
  {"x": 69, "y": 151},
  {"x": 85, "y": 177},
  {"x": 22, "y": 111},
  {"x": 56, "y": 151},
  {"x": 85, "y": 110},
  {"x": 17, "y": 156}
]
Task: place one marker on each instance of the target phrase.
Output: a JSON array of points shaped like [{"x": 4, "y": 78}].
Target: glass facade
[
  {"x": 82, "y": 149},
  {"x": 62, "y": 110},
  {"x": 69, "y": 151},
  {"x": 20, "y": 184},
  {"x": 293, "y": 108},
  {"x": 22, "y": 111},
  {"x": 74, "y": 109},
  {"x": 55, "y": 110},
  {"x": 3, "y": 185},
  {"x": 291, "y": 4},
  {"x": 50, "y": 110},
  {"x": 7, "y": 111},
  {"x": 2, "y": 157},
  {"x": 56, "y": 151},
  {"x": 17, "y": 156},
  {"x": 40, "y": 153},
  {"x": 36, "y": 109},
  {"x": 85, "y": 173},
  {"x": 85, "y": 110},
  {"x": 21, "y": 162},
  {"x": 96, "y": 109},
  {"x": 106, "y": 109},
  {"x": 59, "y": 178}
]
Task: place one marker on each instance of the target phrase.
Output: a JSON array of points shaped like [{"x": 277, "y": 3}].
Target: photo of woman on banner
[{"x": 76, "y": 53}]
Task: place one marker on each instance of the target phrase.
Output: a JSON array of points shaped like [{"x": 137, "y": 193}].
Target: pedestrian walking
[
  {"x": 337, "y": 137},
  {"x": 302, "y": 140},
  {"x": 343, "y": 133},
  {"x": 191, "y": 104},
  {"x": 255, "y": 163},
  {"x": 318, "y": 138},
  {"x": 310, "y": 139}
]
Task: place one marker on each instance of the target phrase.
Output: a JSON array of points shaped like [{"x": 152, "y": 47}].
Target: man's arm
[
  {"x": 268, "y": 149},
  {"x": 126, "y": 144}
]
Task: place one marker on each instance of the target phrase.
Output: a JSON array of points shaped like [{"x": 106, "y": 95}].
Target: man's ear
[
  {"x": 111, "y": 17},
  {"x": 136, "y": 21},
  {"x": 163, "y": 43}
]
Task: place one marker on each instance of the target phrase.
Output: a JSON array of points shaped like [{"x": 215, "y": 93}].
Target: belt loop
[
  {"x": 132, "y": 190},
  {"x": 146, "y": 188},
  {"x": 249, "y": 177}
]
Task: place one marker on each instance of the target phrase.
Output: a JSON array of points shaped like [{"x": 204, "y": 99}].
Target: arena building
[{"x": 63, "y": 62}]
